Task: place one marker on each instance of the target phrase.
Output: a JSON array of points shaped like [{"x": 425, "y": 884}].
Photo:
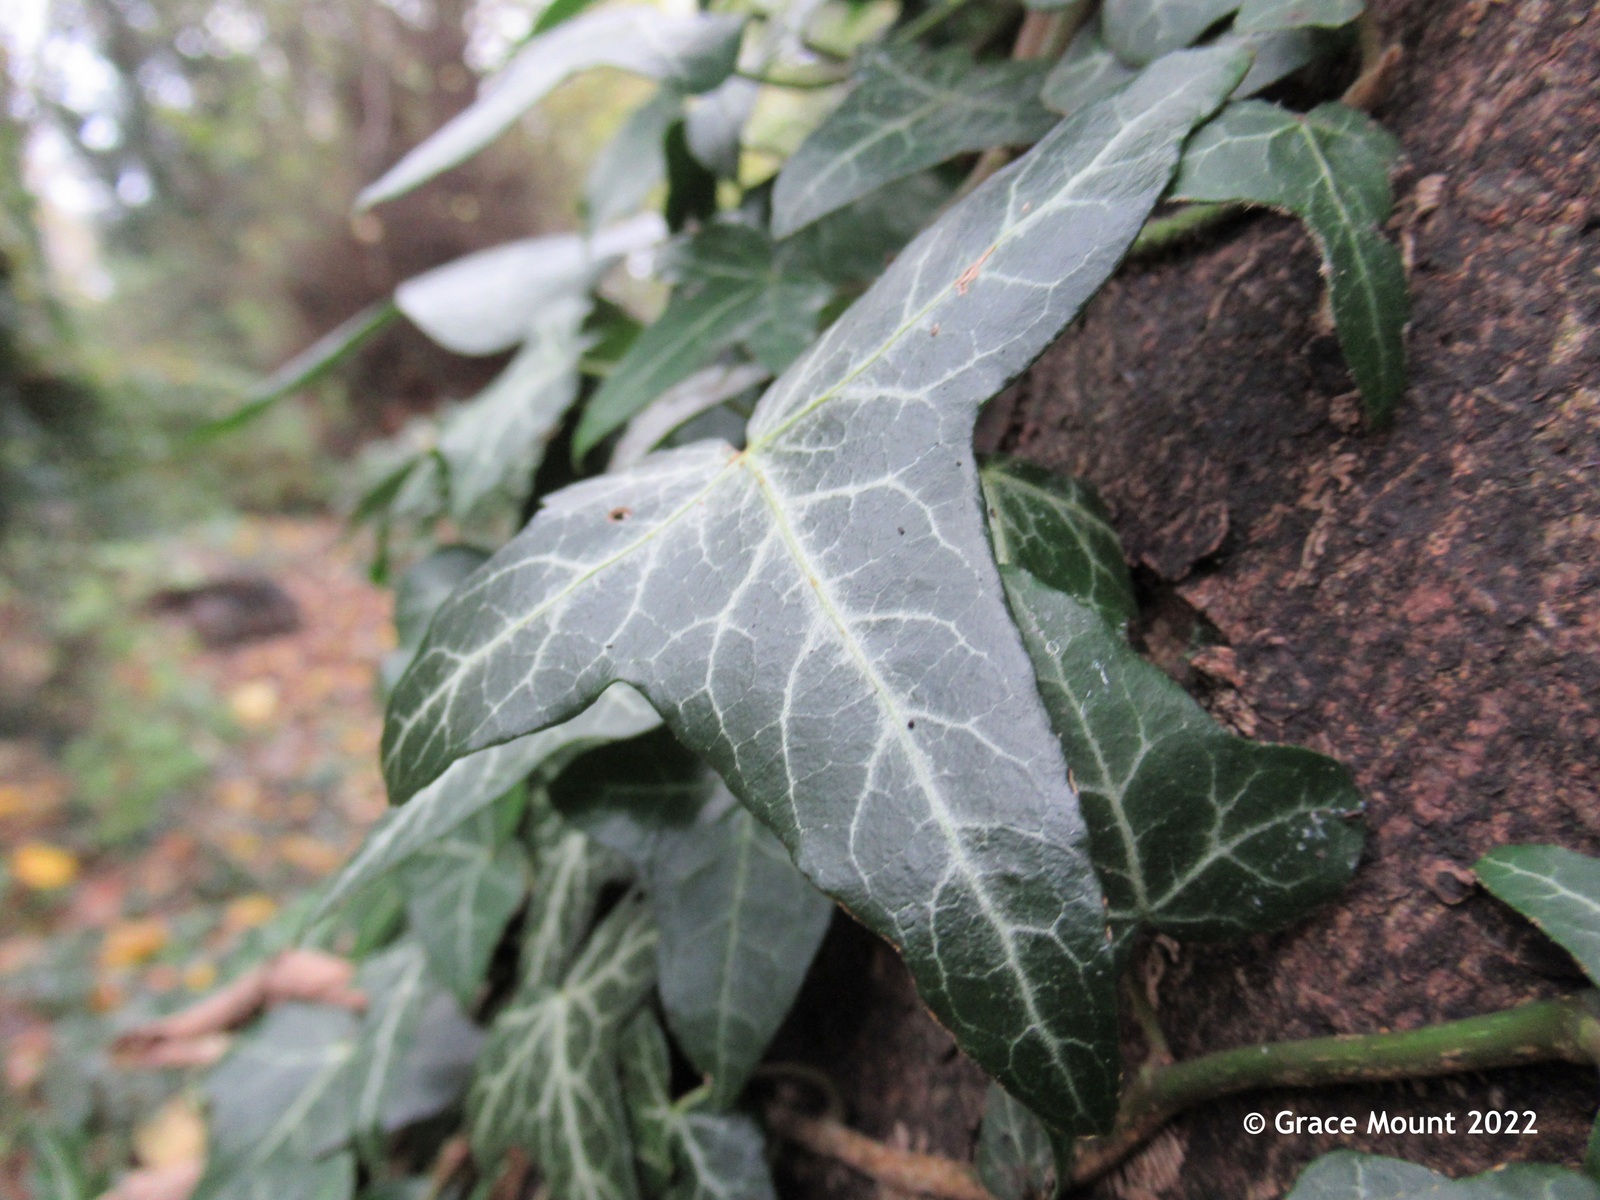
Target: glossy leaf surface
[
  {"x": 910, "y": 110},
  {"x": 634, "y": 162},
  {"x": 692, "y": 52},
  {"x": 1142, "y": 30},
  {"x": 1558, "y": 890},
  {"x": 820, "y": 616},
  {"x": 1346, "y": 1175},
  {"x": 722, "y": 1157},
  {"x": 1056, "y": 529},
  {"x": 1257, "y": 16},
  {"x": 646, "y": 1069},
  {"x": 1085, "y": 72},
  {"x": 547, "y": 1079},
  {"x": 1196, "y": 831},
  {"x": 1330, "y": 167}
]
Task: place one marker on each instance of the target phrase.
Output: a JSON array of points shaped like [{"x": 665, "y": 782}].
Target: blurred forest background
[{"x": 176, "y": 187}]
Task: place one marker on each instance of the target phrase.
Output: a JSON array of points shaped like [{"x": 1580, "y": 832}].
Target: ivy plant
[{"x": 787, "y": 643}]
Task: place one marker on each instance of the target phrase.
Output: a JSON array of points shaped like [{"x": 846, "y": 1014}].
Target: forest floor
[{"x": 263, "y": 783}]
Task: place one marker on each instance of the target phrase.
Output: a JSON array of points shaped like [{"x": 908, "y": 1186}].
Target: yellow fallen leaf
[
  {"x": 255, "y": 703},
  {"x": 42, "y": 867},
  {"x": 199, "y": 976},
  {"x": 175, "y": 1134},
  {"x": 310, "y": 855},
  {"x": 247, "y": 912},
  {"x": 129, "y": 943}
]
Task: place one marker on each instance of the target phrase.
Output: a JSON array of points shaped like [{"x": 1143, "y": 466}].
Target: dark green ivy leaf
[
  {"x": 1330, "y": 167},
  {"x": 1347, "y": 1175},
  {"x": 547, "y": 1079},
  {"x": 1015, "y": 1158},
  {"x": 56, "y": 1165},
  {"x": 819, "y": 615},
  {"x": 1196, "y": 831},
  {"x": 646, "y": 1070},
  {"x": 1140, "y": 31},
  {"x": 633, "y": 162},
  {"x": 721, "y": 1157},
  {"x": 332, "y": 1178},
  {"x": 1558, "y": 890},
  {"x": 910, "y": 110},
  {"x": 694, "y": 53},
  {"x": 1055, "y": 528},
  {"x": 1087, "y": 71}
]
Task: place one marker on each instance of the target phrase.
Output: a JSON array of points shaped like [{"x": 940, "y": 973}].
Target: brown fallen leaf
[
  {"x": 192, "y": 1036},
  {"x": 175, "y": 1182}
]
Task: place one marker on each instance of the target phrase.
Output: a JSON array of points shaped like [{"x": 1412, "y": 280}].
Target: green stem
[
  {"x": 1565, "y": 1030},
  {"x": 819, "y": 80},
  {"x": 1189, "y": 220},
  {"x": 927, "y": 19}
]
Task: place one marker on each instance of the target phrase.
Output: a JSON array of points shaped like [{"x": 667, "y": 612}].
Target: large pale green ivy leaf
[
  {"x": 911, "y": 109},
  {"x": 425, "y": 585},
  {"x": 646, "y": 1071},
  {"x": 1056, "y": 529},
  {"x": 473, "y": 783},
  {"x": 820, "y": 617},
  {"x": 739, "y": 928},
  {"x": 486, "y": 302},
  {"x": 460, "y": 892},
  {"x": 1140, "y": 31},
  {"x": 634, "y": 162},
  {"x": 1330, "y": 167},
  {"x": 737, "y": 288},
  {"x": 1198, "y": 832},
  {"x": 1015, "y": 1159},
  {"x": 56, "y": 1165},
  {"x": 1347, "y": 1175},
  {"x": 491, "y": 446},
  {"x": 1558, "y": 890},
  {"x": 721, "y": 1157},
  {"x": 693, "y": 53},
  {"x": 547, "y": 1079}
]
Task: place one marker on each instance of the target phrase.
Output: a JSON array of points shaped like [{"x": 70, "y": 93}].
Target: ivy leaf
[
  {"x": 397, "y": 987},
  {"x": 547, "y": 1079},
  {"x": 910, "y": 110},
  {"x": 1330, "y": 167},
  {"x": 570, "y": 869},
  {"x": 1086, "y": 71},
  {"x": 473, "y": 783},
  {"x": 680, "y": 404},
  {"x": 1278, "y": 53},
  {"x": 425, "y": 586},
  {"x": 819, "y": 616},
  {"x": 56, "y": 1165},
  {"x": 646, "y": 1069},
  {"x": 633, "y": 162},
  {"x": 1141, "y": 31},
  {"x": 739, "y": 928},
  {"x": 1015, "y": 1158},
  {"x": 285, "y": 1089},
  {"x": 736, "y": 289},
  {"x": 486, "y": 302},
  {"x": 693, "y": 53},
  {"x": 1055, "y": 528},
  {"x": 715, "y": 123},
  {"x": 723, "y": 1157},
  {"x": 1558, "y": 890},
  {"x": 1198, "y": 832},
  {"x": 1258, "y": 16},
  {"x": 492, "y": 445},
  {"x": 460, "y": 892},
  {"x": 1347, "y": 1175}
]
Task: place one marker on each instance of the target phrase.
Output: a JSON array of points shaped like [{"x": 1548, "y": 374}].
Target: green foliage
[
  {"x": 1558, "y": 890},
  {"x": 1345, "y": 1175},
  {"x": 804, "y": 592}
]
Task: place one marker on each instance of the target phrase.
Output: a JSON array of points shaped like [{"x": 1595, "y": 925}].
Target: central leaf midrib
[{"x": 919, "y": 764}]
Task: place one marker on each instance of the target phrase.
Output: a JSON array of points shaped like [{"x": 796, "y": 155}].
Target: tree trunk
[{"x": 1423, "y": 604}]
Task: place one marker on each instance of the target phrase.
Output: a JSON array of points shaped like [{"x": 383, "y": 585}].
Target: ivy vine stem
[{"x": 1564, "y": 1030}]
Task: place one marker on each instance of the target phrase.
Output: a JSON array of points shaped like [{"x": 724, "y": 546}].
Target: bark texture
[{"x": 1422, "y": 603}]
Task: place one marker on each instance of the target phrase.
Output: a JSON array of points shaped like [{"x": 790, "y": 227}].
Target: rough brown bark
[{"x": 1423, "y": 604}]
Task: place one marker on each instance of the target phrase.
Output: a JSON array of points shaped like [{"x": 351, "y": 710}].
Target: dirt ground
[{"x": 1421, "y": 603}]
